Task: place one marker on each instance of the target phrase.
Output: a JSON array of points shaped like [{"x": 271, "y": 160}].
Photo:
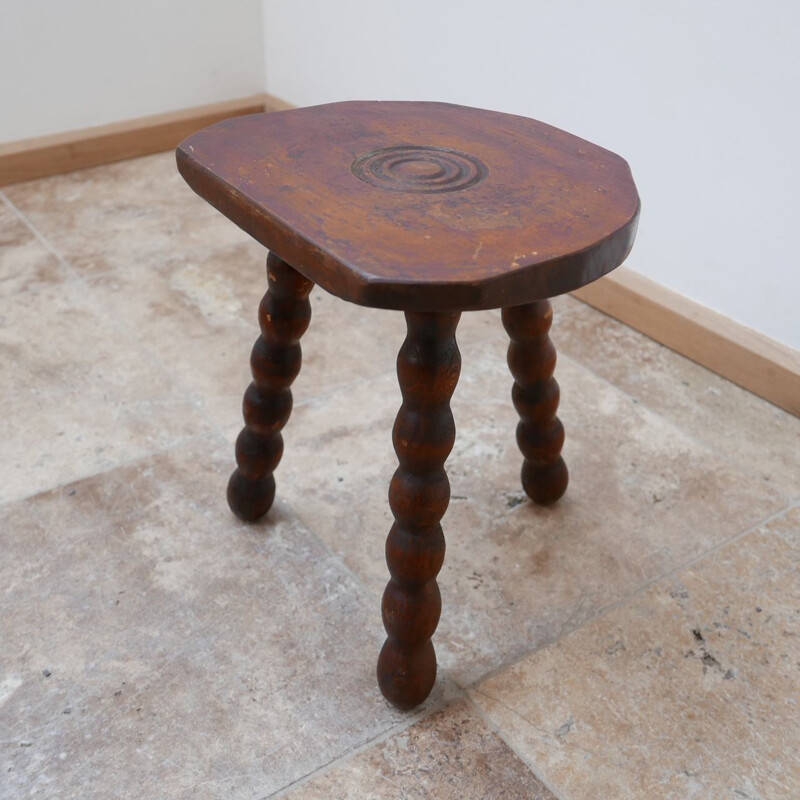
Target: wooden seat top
[{"x": 419, "y": 206}]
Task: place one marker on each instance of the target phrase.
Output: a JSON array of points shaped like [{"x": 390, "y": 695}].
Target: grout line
[
  {"x": 123, "y": 328},
  {"x": 40, "y": 238},
  {"x": 148, "y": 356},
  {"x": 535, "y": 769},
  {"x": 640, "y": 590},
  {"x": 305, "y": 400},
  {"x": 339, "y": 560},
  {"x": 550, "y": 735},
  {"x": 695, "y": 559},
  {"x": 670, "y": 423},
  {"x": 330, "y": 393},
  {"x": 745, "y": 470},
  {"x": 408, "y": 722},
  {"x": 125, "y": 462}
]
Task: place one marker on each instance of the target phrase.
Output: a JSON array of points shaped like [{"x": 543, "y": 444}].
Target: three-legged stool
[{"x": 430, "y": 209}]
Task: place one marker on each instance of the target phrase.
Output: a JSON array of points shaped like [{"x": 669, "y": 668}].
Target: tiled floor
[{"x": 638, "y": 640}]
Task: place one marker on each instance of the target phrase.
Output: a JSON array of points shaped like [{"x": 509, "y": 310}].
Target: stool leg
[
  {"x": 283, "y": 316},
  {"x": 540, "y": 434},
  {"x": 428, "y": 366}
]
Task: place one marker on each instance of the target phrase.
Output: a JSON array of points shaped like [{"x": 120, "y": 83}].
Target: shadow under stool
[{"x": 430, "y": 209}]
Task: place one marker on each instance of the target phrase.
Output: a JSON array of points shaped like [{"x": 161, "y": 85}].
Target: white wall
[
  {"x": 700, "y": 97},
  {"x": 67, "y": 64}
]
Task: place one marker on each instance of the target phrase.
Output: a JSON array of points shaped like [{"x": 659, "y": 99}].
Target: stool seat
[{"x": 420, "y": 206}]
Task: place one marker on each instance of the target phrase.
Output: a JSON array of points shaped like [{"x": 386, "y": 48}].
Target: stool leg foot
[
  {"x": 540, "y": 434},
  {"x": 283, "y": 316},
  {"x": 424, "y": 432}
]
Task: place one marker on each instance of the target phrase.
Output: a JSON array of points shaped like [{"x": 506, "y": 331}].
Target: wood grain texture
[
  {"x": 284, "y": 315},
  {"x": 41, "y": 156},
  {"x": 742, "y": 355},
  {"x": 420, "y": 206},
  {"x": 428, "y": 367},
  {"x": 540, "y": 434}
]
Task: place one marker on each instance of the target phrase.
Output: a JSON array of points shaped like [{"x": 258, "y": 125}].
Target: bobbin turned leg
[
  {"x": 283, "y": 316},
  {"x": 540, "y": 434},
  {"x": 424, "y": 432}
]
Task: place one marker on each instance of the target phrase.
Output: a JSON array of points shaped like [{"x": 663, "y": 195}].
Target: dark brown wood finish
[
  {"x": 428, "y": 366},
  {"x": 420, "y": 206},
  {"x": 432, "y": 209},
  {"x": 283, "y": 316},
  {"x": 540, "y": 434}
]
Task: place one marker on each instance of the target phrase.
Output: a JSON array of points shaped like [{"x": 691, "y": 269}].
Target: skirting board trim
[
  {"x": 42, "y": 156},
  {"x": 761, "y": 365}
]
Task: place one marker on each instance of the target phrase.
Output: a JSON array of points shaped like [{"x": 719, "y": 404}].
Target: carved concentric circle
[{"x": 422, "y": 169}]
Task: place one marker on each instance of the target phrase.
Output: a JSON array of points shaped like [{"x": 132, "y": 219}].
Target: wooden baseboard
[
  {"x": 64, "y": 152},
  {"x": 272, "y": 103},
  {"x": 742, "y": 355}
]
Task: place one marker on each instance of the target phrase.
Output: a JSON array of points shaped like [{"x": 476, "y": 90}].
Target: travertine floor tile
[
  {"x": 450, "y": 755},
  {"x": 190, "y": 314},
  {"x": 689, "y": 691},
  {"x": 125, "y": 215},
  {"x": 748, "y": 430},
  {"x": 198, "y": 314},
  {"x": 25, "y": 263},
  {"x": 643, "y": 499},
  {"x": 76, "y": 393},
  {"x": 187, "y": 655}
]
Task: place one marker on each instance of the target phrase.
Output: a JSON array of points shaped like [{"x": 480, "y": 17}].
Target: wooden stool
[{"x": 431, "y": 209}]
